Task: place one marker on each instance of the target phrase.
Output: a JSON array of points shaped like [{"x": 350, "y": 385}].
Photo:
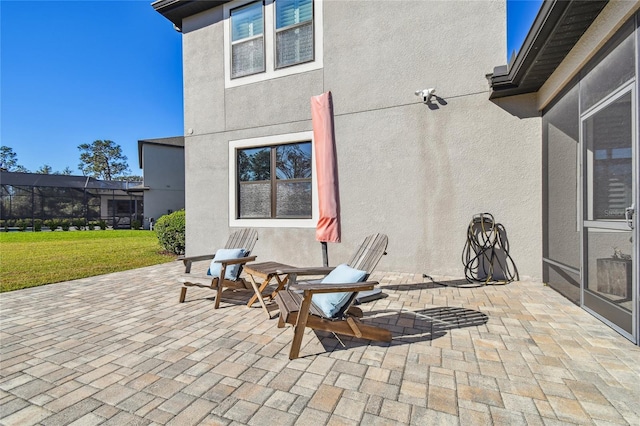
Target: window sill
[
  {"x": 273, "y": 223},
  {"x": 268, "y": 75}
]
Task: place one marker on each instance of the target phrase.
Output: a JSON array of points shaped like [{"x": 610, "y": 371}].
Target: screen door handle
[{"x": 628, "y": 215}]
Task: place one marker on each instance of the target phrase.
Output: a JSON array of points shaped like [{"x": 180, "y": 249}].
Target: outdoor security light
[{"x": 426, "y": 94}]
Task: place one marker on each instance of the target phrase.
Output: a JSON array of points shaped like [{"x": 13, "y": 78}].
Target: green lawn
[{"x": 29, "y": 259}]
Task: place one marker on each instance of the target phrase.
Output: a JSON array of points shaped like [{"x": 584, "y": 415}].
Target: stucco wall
[
  {"x": 413, "y": 171},
  {"x": 165, "y": 180}
]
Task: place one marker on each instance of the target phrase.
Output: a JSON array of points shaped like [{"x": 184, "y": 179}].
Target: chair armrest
[
  {"x": 195, "y": 258},
  {"x": 236, "y": 261},
  {"x": 188, "y": 261},
  {"x": 317, "y": 270},
  {"x": 334, "y": 288}
]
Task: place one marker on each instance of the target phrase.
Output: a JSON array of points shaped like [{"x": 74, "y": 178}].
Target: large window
[
  {"x": 271, "y": 38},
  {"x": 275, "y": 181},
  {"x": 272, "y": 181}
]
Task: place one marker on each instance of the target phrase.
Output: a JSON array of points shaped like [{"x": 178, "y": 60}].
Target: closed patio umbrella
[{"x": 328, "y": 227}]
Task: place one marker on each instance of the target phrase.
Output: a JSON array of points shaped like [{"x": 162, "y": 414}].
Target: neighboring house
[
  {"x": 419, "y": 171},
  {"x": 162, "y": 164}
]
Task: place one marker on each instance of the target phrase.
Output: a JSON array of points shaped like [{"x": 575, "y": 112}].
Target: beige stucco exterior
[{"x": 413, "y": 171}]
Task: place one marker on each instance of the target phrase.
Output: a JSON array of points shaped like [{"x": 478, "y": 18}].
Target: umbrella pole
[{"x": 325, "y": 256}]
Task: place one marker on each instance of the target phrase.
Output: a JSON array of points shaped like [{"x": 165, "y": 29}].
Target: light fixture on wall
[{"x": 426, "y": 94}]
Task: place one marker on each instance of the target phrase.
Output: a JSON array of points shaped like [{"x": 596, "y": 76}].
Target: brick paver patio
[{"x": 119, "y": 350}]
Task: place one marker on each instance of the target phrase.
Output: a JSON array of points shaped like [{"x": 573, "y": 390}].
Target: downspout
[
  {"x": 113, "y": 209},
  {"x": 33, "y": 204},
  {"x": 86, "y": 202}
]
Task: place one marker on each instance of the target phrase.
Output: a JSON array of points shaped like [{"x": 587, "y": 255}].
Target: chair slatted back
[
  {"x": 244, "y": 238},
  {"x": 365, "y": 259},
  {"x": 369, "y": 253}
]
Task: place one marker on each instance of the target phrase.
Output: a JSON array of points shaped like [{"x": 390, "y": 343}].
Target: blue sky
[
  {"x": 76, "y": 71},
  {"x": 520, "y": 16},
  {"x": 72, "y": 72}
]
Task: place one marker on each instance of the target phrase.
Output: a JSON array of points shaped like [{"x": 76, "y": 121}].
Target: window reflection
[{"x": 275, "y": 181}]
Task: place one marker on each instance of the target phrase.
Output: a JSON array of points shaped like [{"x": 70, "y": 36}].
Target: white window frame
[
  {"x": 270, "y": 223},
  {"x": 269, "y": 43},
  {"x": 251, "y": 38}
]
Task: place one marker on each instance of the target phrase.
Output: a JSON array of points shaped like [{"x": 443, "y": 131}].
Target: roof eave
[
  {"x": 174, "y": 141},
  {"x": 176, "y": 10},
  {"x": 521, "y": 76}
]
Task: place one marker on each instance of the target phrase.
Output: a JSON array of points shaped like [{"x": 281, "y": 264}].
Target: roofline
[
  {"x": 63, "y": 181},
  {"x": 161, "y": 142},
  {"x": 548, "y": 17},
  {"x": 176, "y": 10},
  {"x": 508, "y": 80}
]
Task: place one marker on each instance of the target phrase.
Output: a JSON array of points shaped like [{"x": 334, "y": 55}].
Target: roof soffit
[
  {"x": 176, "y": 10},
  {"x": 555, "y": 31}
]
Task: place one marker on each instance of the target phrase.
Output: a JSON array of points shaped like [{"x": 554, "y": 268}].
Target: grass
[{"x": 29, "y": 259}]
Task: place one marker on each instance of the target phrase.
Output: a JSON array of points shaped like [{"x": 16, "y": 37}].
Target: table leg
[
  {"x": 281, "y": 284},
  {"x": 258, "y": 293},
  {"x": 255, "y": 286}
]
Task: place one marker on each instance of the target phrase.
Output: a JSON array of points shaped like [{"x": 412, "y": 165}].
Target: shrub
[
  {"x": 37, "y": 225},
  {"x": 136, "y": 224},
  {"x": 22, "y": 225},
  {"x": 170, "y": 231},
  {"x": 79, "y": 224},
  {"x": 65, "y": 225},
  {"x": 52, "y": 224},
  {"x": 102, "y": 224}
]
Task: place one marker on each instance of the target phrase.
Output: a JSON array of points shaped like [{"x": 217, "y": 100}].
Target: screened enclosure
[{"x": 39, "y": 197}]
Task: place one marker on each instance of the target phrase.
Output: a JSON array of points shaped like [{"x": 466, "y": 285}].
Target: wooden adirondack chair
[
  {"x": 297, "y": 308},
  {"x": 241, "y": 239}
]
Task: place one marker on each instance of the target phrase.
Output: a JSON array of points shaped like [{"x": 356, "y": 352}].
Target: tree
[
  {"x": 102, "y": 159},
  {"x": 67, "y": 171},
  {"x": 45, "y": 170},
  {"x": 9, "y": 160},
  {"x": 293, "y": 161},
  {"x": 254, "y": 164}
]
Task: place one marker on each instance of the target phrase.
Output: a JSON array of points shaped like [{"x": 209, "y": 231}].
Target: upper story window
[
  {"x": 247, "y": 40},
  {"x": 271, "y": 38},
  {"x": 294, "y": 32}
]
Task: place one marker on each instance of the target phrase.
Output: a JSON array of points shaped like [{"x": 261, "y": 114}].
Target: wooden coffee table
[{"x": 266, "y": 271}]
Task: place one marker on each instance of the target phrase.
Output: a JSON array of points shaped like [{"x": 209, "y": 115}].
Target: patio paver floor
[{"x": 119, "y": 349}]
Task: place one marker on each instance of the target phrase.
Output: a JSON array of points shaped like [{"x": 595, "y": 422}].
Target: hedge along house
[{"x": 415, "y": 170}]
